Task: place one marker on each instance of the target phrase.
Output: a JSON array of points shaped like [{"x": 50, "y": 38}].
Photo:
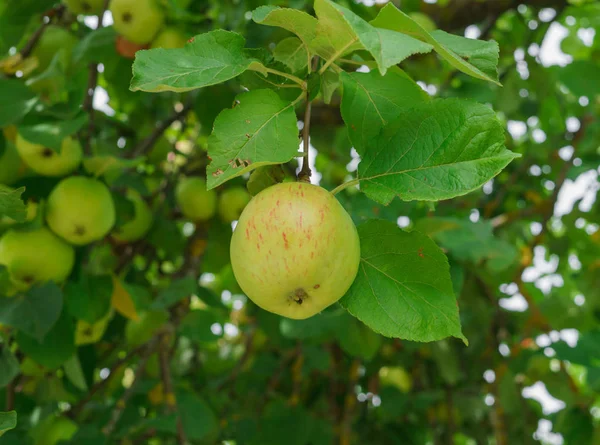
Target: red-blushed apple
[
  {"x": 295, "y": 250},
  {"x": 137, "y": 20}
]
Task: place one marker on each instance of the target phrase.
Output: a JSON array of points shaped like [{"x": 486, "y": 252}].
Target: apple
[
  {"x": 10, "y": 165},
  {"x": 295, "y": 250},
  {"x": 53, "y": 40},
  {"x": 232, "y": 202},
  {"x": 126, "y": 48},
  {"x": 139, "y": 225},
  {"x": 80, "y": 210},
  {"x": 85, "y": 7},
  {"x": 35, "y": 256},
  {"x": 137, "y": 20},
  {"x": 195, "y": 202},
  {"x": 169, "y": 38},
  {"x": 396, "y": 376},
  {"x": 47, "y": 162}
]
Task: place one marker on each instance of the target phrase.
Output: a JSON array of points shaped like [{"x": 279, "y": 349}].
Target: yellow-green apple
[
  {"x": 10, "y": 165},
  {"x": 295, "y": 250},
  {"x": 169, "y": 38},
  {"x": 47, "y": 162},
  {"x": 139, "y": 225},
  {"x": 137, "y": 20},
  {"x": 232, "y": 202},
  {"x": 53, "y": 40},
  {"x": 35, "y": 256},
  {"x": 80, "y": 210},
  {"x": 195, "y": 202},
  {"x": 85, "y": 7}
]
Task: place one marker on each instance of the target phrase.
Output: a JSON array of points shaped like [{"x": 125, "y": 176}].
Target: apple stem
[{"x": 345, "y": 185}]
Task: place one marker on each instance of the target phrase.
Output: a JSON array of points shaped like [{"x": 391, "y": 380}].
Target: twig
[
  {"x": 37, "y": 35},
  {"x": 305, "y": 173},
  {"x": 122, "y": 402},
  {"x": 169, "y": 394},
  {"x": 10, "y": 395},
  {"x": 145, "y": 145},
  {"x": 450, "y": 411},
  {"x": 88, "y": 102},
  {"x": 349, "y": 404}
]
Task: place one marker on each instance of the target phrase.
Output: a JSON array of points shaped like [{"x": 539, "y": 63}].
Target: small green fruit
[
  {"x": 35, "y": 256},
  {"x": 80, "y": 210},
  {"x": 195, "y": 202},
  {"x": 295, "y": 250},
  {"x": 232, "y": 202},
  {"x": 137, "y": 227},
  {"x": 10, "y": 165},
  {"x": 47, "y": 162},
  {"x": 53, "y": 40},
  {"x": 169, "y": 38},
  {"x": 137, "y": 20},
  {"x": 85, "y": 7}
]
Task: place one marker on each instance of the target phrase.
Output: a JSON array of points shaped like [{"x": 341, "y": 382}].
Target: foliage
[{"x": 470, "y": 168}]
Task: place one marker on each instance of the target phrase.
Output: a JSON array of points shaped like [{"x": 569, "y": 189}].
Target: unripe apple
[
  {"x": 232, "y": 202},
  {"x": 10, "y": 165},
  {"x": 169, "y": 38},
  {"x": 35, "y": 256},
  {"x": 137, "y": 20},
  {"x": 80, "y": 210},
  {"x": 86, "y": 7},
  {"x": 139, "y": 225},
  {"x": 295, "y": 250},
  {"x": 195, "y": 202},
  {"x": 53, "y": 40},
  {"x": 47, "y": 162}
]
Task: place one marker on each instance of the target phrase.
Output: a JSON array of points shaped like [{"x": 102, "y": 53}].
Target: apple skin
[
  {"x": 126, "y": 48},
  {"x": 295, "y": 250},
  {"x": 85, "y": 7},
  {"x": 80, "y": 210},
  {"x": 137, "y": 227},
  {"x": 10, "y": 165},
  {"x": 35, "y": 256},
  {"x": 53, "y": 40},
  {"x": 169, "y": 38},
  {"x": 232, "y": 202},
  {"x": 45, "y": 161},
  {"x": 137, "y": 20},
  {"x": 195, "y": 202}
]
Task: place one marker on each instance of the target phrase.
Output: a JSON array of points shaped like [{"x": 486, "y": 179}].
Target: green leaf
[
  {"x": 293, "y": 20},
  {"x": 14, "y": 18},
  {"x": 403, "y": 287},
  {"x": 51, "y": 133},
  {"x": 74, "y": 373},
  {"x": 292, "y": 53},
  {"x": 356, "y": 339},
  {"x": 8, "y": 421},
  {"x": 198, "y": 419},
  {"x": 90, "y": 298},
  {"x": 483, "y": 57},
  {"x": 264, "y": 177},
  {"x": 177, "y": 290},
  {"x": 370, "y": 102},
  {"x": 340, "y": 32},
  {"x": 96, "y": 46},
  {"x": 196, "y": 325},
  {"x": 57, "y": 346},
  {"x": 330, "y": 82},
  {"x": 209, "y": 59},
  {"x": 103, "y": 164},
  {"x": 260, "y": 130},
  {"x": 9, "y": 366},
  {"x": 33, "y": 312},
  {"x": 20, "y": 98},
  {"x": 436, "y": 150},
  {"x": 11, "y": 204},
  {"x": 580, "y": 77}
]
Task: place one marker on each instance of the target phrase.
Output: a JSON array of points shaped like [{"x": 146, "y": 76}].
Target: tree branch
[
  {"x": 57, "y": 12},
  {"x": 305, "y": 173}
]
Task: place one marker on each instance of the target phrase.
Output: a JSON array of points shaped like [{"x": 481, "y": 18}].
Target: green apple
[
  {"x": 53, "y": 429},
  {"x": 295, "y": 250},
  {"x": 35, "y": 256},
  {"x": 85, "y": 7},
  {"x": 139, "y": 225},
  {"x": 10, "y": 165},
  {"x": 396, "y": 376},
  {"x": 53, "y": 40},
  {"x": 195, "y": 202},
  {"x": 169, "y": 38},
  {"x": 137, "y": 20},
  {"x": 232, "y": 202},
  {"x": 47, "y": 162},
  {"x": 80, "y": 210}
]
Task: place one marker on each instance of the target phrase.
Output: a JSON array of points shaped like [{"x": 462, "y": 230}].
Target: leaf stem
[
  {"x": 293, "y": 78},
  {"x": 345, "y": 185},
  {"x": 336, "y": 56}
]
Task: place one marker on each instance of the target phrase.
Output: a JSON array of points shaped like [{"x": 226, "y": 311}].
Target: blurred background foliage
[{"x": 524, "y": 254}]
